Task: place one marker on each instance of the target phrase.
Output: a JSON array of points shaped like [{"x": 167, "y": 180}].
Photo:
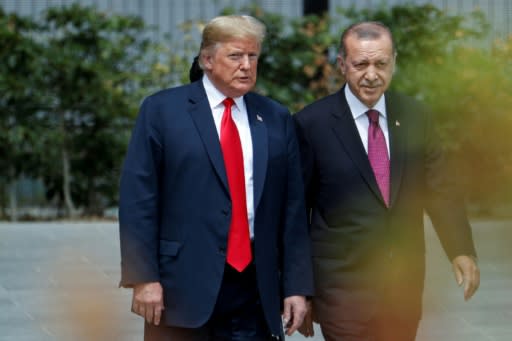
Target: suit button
[
  {"x": 225, "y": 211},
  {"x": 222, "y": 250}
]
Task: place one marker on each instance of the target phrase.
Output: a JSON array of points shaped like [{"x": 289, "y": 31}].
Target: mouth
[
  {"x": 244, "y": 79},
  {"x": 371, "y": 88}
]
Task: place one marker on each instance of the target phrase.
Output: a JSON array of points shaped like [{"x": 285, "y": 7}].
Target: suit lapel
[
  {"x": 200, "y": 112},
  {"x": 397, "y": 144},
  {"x": 259, "y": 146},
  {"x": 346, "y": 131}
]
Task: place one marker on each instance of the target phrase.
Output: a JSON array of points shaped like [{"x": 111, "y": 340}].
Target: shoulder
[
  {"x": 171, "y": 94},
  {"x": 322, "y": 107},
  {"x": 399, "y": 102},
  {"x": 265, "y": 103},
  {"x": 272, "y": 112},
  {"x": 171, "y": 100},
  {"x": 168, "y": 103},
  {"x": 416, "y": 114}
]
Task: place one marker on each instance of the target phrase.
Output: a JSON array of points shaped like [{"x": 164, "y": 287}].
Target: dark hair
[
  {"x": 195, "y": 73},
  {"x": 370, "y": 30}
]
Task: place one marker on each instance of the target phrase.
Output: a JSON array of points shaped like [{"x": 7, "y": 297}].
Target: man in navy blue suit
[
  {"x": 372, "y": 166},
  {"x": 181, "y": 198}
]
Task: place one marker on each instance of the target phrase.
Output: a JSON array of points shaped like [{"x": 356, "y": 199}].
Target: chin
[
  {"x": 372, "y": 97},
  {"x": 242, "y": 90}
]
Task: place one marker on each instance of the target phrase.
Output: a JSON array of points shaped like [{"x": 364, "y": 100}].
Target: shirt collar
[
  {"x": 358, "y": 108},
  {"x": 215, "y": 97}
]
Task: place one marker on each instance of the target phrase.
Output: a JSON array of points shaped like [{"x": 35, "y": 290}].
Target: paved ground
[{"x": 58, "y": 281}]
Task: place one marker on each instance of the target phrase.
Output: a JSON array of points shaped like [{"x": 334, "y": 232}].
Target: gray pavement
[{"x": 58, "y": 281}]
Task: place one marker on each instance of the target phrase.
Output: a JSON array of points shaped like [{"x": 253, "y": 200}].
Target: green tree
[
  {"x": 97, "y": 69},
  {"x": 471, "y": 99},
  {"x": 19, "y": 98},
  {"x": 294, "y": 67},
  {"x": 71, "y": 82}
]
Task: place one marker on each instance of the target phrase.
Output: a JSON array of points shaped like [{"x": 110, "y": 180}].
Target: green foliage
[
  {"x": 71, "y": 82},
  {"x": 470, "y": 96},
  {"x": 444, "y": 61},
  {"x": 294, "y": 67},
  {"x": 422, "y": 33},
  {"x": 70, "y": 93},
  {"x": 98, "y": 67},
  {"x": 18, "y": 98}
]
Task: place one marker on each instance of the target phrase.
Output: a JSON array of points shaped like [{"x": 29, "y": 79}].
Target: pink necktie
[
  {"x": 239, "y": 244},
  {"x": 378, "y": 154}
]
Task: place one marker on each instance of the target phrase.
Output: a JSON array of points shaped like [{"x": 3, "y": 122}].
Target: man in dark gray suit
[{"x": 372, "y": 165}]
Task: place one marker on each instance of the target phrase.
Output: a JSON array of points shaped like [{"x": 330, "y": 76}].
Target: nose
[
  {"x": 245, "y": 62},
  {"x": 371, "y": 74}
]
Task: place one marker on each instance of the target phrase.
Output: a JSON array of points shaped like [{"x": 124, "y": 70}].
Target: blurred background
[{"x": 73, "y": 73}]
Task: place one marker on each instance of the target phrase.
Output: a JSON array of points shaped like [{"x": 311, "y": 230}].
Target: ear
[
  {"x": 341, "y": 64},
  {"x": 207, "y": 61},
  {"x": 394, "y": 62}
]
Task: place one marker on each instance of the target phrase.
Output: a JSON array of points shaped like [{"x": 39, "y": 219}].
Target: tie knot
[
  {"x": 373, "y": 115},
  {"x": 228, "y": 102}
]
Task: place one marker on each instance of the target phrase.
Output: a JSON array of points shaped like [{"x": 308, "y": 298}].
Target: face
[
  {"x": 368, "y": 67},
  {"x": 232, "y": 66}
]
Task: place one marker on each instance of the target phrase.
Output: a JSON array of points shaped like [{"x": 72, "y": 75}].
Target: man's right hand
[{"x": 148, "y": 301}]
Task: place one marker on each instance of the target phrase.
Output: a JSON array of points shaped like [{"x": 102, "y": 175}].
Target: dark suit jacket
[
  {"x": 367, "y": 256},
  {"x": 175, "y": 207}
]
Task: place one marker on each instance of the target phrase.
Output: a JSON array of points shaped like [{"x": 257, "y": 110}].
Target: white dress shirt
[
  {"x": 239, "y": 114},
  {"x": 359, "y": 110}
]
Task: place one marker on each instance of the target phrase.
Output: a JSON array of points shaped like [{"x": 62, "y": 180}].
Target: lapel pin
[
  {"x": 397, "y": 123},
  {"x": 258, "y": 117}
]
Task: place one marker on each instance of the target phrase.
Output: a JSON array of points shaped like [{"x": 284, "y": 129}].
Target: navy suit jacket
[
  {"x": 367, "y": 256},
  {"x": 175, "y": 206}
]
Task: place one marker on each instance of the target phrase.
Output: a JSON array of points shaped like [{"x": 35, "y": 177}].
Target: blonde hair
[{"x": 224, "y": 28}]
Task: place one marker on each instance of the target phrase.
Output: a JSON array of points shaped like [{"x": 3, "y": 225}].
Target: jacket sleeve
[
  {"x": 307, "y": 161},
  {"x": 139, "y": 200},
  {"x": 445, "y": 203},
  {"x": 297, "y": 259}
]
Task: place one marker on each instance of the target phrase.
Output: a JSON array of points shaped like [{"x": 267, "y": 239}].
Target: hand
[
  {"x": 306, "y": 328},
  {"x": 466, "y": 272},
  {"x": 293, "y": 313},
  {"x": 148, "y": 302}
]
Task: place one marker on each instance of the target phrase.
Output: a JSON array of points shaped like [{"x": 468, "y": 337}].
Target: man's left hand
[
  {"x": 293, "y": 314},
  {"x": 466, "y": 272}
]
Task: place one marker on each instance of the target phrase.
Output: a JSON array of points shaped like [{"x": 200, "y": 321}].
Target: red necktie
[
  {"x": 378, "y": 154},
  {"x": 239, "y": 243}
]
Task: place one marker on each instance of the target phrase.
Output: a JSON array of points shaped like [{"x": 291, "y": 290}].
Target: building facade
[{"x": 168, "y": 15}]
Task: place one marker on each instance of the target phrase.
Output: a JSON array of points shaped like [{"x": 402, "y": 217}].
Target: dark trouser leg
[
  {"x": 345, "y": 331},
  {"x": 392, "y": 328},
  {"x": 382, "y": 328},
  {"x": 166, "y": 333},
  {"x": 238, "y": 314}
]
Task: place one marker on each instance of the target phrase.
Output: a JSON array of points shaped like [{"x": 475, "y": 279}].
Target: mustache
[{"x": 371, "y": 84}]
